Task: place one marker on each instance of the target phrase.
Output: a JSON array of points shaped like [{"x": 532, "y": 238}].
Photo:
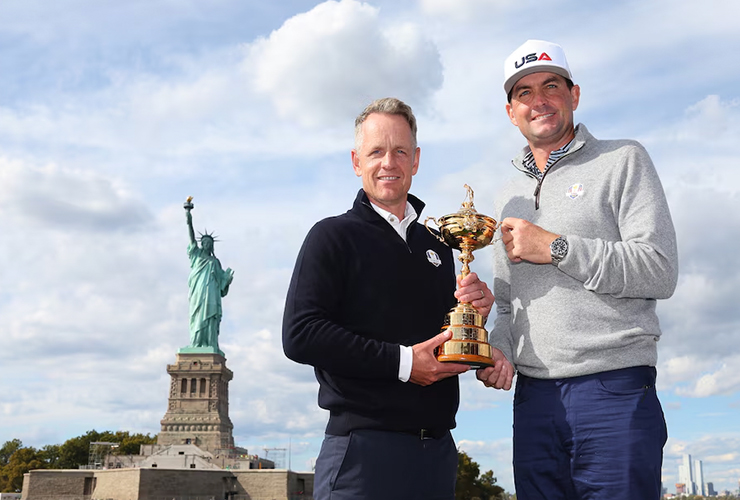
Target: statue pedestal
[
  {"x": 201, "y": 350},
  {"x": 198, "y": 409}
]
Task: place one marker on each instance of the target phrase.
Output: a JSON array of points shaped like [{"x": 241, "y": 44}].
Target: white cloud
[
  {"x": 322, "y": 67},
  {"x": 466, "y": 11},
  {"x": 682, "y": 369},
  {"x": 712, "y": 121},
  {"x": 62, "y": 198},
  {"x": 723, "y": 380}
]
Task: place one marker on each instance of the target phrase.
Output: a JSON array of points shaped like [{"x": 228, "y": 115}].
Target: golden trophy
[{"x": 466, "y": 230}]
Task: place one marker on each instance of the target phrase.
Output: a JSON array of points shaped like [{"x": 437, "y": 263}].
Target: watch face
[{"x": 559, "y": 248}]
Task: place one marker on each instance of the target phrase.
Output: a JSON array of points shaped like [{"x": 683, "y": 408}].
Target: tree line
[
  {"x": 16, "y": 460},
  {"x": 471, "y": 485}
]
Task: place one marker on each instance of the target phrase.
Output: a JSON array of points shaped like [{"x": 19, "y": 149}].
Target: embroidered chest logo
[
  {"x": 574, "y": 191},
  {"x": 434, "y": 258}
]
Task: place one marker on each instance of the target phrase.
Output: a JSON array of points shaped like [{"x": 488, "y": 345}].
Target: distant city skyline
[{"x": 691, "y": 480}]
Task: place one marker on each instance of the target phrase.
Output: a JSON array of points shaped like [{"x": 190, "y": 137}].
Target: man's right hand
[
  {"x": 526, "y": 241},
  {"x": 425, "y": 369}
]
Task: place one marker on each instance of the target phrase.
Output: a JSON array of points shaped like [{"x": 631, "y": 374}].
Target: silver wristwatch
[{"x": 558, "y": 250}]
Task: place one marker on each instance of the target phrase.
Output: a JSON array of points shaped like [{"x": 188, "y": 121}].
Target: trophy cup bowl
[{"x": 466, "y": 230}]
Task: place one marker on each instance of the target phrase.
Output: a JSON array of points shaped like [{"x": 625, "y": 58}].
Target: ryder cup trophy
[{"x": 466, "y": 230}]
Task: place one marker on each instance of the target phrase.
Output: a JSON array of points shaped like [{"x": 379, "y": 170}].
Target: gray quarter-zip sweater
[{"x": 595, "y": 311}]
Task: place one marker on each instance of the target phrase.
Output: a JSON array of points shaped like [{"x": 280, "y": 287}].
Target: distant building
[
  {"x": 189, "y": 456},
  {"x": 686, "y": 475},
  {"x": 710, "y": 489},
  {"x": 699, "y": 488}
]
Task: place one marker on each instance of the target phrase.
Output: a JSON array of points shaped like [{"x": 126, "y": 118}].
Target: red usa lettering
[{"x": 532, "y": 58}]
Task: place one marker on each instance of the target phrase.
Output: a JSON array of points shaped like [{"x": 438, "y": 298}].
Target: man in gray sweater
[{"x": 588, "y": 248}]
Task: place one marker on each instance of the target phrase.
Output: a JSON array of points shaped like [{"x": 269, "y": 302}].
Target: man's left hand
[
  {"x": 498, "y": 376},
  {"x": 471, "y": 289}
]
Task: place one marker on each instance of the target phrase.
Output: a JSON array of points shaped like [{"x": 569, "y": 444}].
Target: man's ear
[
  {"x": 510, "y": 112},
  {"x": 415, "y": 168},
  {"x": 356, "y": 163},
  {"x": 575, "y": 94}
]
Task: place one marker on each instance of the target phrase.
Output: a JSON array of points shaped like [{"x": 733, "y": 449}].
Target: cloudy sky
[{"x": 112, "y": 113}]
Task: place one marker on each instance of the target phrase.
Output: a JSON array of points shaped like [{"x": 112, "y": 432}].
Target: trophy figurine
[{"x": 466, "y": 230}]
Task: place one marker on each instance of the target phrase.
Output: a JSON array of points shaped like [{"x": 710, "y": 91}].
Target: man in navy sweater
[{"x": 365, "y": 306}]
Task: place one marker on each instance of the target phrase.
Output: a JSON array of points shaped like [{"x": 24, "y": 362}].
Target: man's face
[
  {"x": 542, "y": 107},
  {"x": 386, "y": 160}
]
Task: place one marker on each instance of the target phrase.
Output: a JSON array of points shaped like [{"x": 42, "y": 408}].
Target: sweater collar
[
  {"x": 580, "y": 139},
  {"x": 365, "y": 210}
]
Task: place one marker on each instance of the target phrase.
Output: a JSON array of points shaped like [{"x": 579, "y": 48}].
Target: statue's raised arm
[
  {"x": 188, "y": 206},
  {"x": 207, "y": 283}
]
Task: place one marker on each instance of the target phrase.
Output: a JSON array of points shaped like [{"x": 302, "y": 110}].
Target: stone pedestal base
[{"x": 198, "y": 409}]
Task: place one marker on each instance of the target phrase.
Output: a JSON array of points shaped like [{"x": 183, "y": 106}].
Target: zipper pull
[{"x": 537, "y": 195}]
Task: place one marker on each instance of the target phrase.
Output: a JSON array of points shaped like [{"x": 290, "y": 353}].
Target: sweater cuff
[{"x": 405, "y": 364}]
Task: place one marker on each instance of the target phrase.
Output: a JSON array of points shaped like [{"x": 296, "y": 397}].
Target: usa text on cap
[{"x": 535, "y": 56}]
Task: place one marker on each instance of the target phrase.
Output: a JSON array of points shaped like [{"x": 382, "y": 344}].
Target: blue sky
[{"x": 112, "y": 113}]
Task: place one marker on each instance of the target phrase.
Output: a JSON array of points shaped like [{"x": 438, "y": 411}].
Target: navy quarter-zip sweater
[{"x": 358, "y": 292}]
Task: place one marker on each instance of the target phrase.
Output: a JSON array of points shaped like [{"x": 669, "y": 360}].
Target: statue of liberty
[{"x": 207, "y": 283}]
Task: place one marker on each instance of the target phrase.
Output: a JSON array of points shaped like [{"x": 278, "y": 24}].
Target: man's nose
[
  {"x": 539, "y": 98},
  {"x": 386, "y": 160}
]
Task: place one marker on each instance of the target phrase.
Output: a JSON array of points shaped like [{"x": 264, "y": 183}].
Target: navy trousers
[
  {"x": 380, "y": 465},
  {"x": 596, "y": 437}
]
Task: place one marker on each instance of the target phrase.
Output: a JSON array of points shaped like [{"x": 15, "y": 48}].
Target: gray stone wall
[
  {"x": 118, "y": 484},
  {"x": 168, "y": 484},
  {"x": 48, "y": 484},
  {"x": 158, "y": 482}
]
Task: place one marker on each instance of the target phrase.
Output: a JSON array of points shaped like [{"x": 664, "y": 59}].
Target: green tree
[
  {"x": 130, "y": 444},
  {"x": 467, "y": 475},
  {"x": 6, "y": 453},
  {"x": 76, "y": 451},
  {"x": 22, "y": 461},
  {"x": 8, "y": 449},
  {"x": 50, "y": 455},
  {"x": 470, "y": 485}
]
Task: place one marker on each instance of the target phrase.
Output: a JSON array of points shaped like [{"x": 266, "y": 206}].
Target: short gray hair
[{"x": 390, "y": 106}]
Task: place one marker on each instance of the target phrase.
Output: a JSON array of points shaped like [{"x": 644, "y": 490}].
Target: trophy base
[
  {"x": 468, "y": 344},
  {"x": 467, "y": 352}
]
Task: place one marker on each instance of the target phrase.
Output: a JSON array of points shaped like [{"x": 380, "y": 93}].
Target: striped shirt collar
[{"x": 531, "y": 166}]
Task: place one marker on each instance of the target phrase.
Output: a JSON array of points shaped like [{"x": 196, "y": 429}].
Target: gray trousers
[{"x": 381, "y": 465}]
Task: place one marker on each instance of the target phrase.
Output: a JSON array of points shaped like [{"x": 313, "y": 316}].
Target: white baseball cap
[{"x": 535, "y": 56}]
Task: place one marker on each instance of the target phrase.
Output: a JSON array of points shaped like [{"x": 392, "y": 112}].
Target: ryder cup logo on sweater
[
  {"x": 574, "y": 191},
  {"x": 434, "y": 258}
]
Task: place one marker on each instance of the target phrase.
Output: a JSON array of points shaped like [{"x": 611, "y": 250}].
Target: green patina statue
[{"x": 207, "y": 283}]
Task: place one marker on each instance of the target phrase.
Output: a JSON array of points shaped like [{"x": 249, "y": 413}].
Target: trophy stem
[{"x": 466, "y": 257}]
